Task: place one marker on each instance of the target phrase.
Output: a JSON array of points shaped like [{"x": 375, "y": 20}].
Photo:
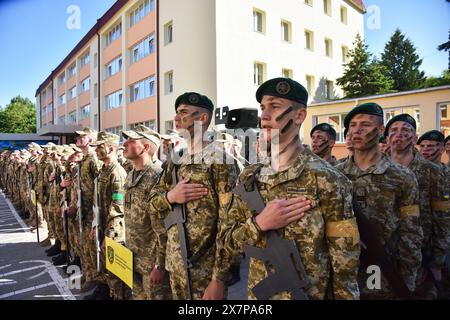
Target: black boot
[
  {"x": 60, "y": 259},
  {"x": 56, "y": 249},
  {"x": 56, "y": 245},
  {"x": 101, "y": 292}
]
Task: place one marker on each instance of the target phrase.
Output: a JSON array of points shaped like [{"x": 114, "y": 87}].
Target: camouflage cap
[
  {"x": 283, "y": 88},
  {"x": 140, "y": 132},
  {"x": 87, "y": 132},
  {"x": 371, "y": 108},
  {"x": 34, "y": 146},
  {"x": 433, "y": 135},
  {"x": 171, "y": 135},
  {"x": 325, "y": 127},
  {"x": 49, "y": 145},
  {"x": 106, "y": 137}
]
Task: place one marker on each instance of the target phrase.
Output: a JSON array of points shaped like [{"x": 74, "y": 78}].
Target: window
[
  {"x": 85, "y": 85},
  {"x": 169, "y": 126},
  {"x": 287, "y": 73},
  {"x": 62, "y": 99},
  {"x": 149, "y": 124},
  {"x": 95, "y": 60},
  {"x": 113, "y": 67},
  {"x": 96, "y": 122},
  {"x": 310, "y": 85},
  {"x": 73, "y": 93},
  {"x": 329, "y": 48},
  {"x": 444, "y": 118},
  {"x": 62, "y": 120},
  {"x": 344, "y": 54},
  {"x": 309, "y": 40},
  {"x": 258, "y": 73},
  {"x": 343, "y": 15},
  {"x": 336, "y": 121},
  {"x": 142, "y": 89},
  {"x": 95, "y": 90},
  {"x": 143, "y": 49},
  {"x": 259, "y": 23},
  {"x": 329, "y": 90},
  {"x": 168, "y": 82},
  {"x": 327, "y": 7},
  {"x": 116, "y": 130},
  {"x": 85, "y": 112},
  {"x": 168, "y": 33},
  {"x": 141, "y": 11},
  {"x": 72, "y": 117},
  {"x": 72, "y": 70},
  {"x": 114, "y": 100},
  {"x": 309, "y": 2},
  {"x": 84, "y": 59},
  {"x": 62, "y": 79},
  {"x": 113, "y": 34},
  {"x": 286, "y": 31}
]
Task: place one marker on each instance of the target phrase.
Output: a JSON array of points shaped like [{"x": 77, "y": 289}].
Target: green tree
[
  {"x": 402, "y": 63},
  {"x": 438, "y": 81},
  {"x": 363, "y": 75},
  {"x": 19, "y": 116}
]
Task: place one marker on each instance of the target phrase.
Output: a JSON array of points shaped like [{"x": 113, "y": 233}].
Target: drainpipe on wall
[
  {"x": 158, "y": 124},
  {"x": 98, "y": 82}
]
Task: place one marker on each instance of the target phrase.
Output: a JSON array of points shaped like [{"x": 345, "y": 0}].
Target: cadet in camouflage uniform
[
  {"x": 431, "y": 147},
  {"x": 90, "y": 167},
  {"x": 204, "y": 188},
  {"x": 323, "y": 138},
  {"x": 447, "y": 149},
  {"x": 70, "y": 183},
  {"x": 125, "y": 163},
  {"x": 305, "y": 200},
  {"x": 144, "y": 236},
  {"x": 111, "y": 180},
  {"x": 387, "y": 193},
  {"x": 36, "y": 152},
  {"x": 401, "y": 132}
]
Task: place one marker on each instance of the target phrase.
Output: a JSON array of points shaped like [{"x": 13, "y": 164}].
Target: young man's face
[
  {"x": 280, "y": 115},
  {"x": 83, "y": 141},
  {"x": 321, "y": 141},
  {"x": 135, "y": 148},
  {"x": 365, "y": 131},
  {"x": 76, "y": 157},
  {"x": 431, "y": 150},
  {"x": 447, "y": 148},
  {"x": 402, "y": 136},
  {"x": 186, "y": 116},
  {"x": 102, "y": 151}
]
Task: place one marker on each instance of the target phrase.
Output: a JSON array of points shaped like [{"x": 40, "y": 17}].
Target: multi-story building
[{"x": 141, "y": 55}]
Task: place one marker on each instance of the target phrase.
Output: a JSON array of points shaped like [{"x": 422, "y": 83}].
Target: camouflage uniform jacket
[
  {"x": 111, "y": 181},
  {"x": 90, "y": 167},
  {"x": 388, "y": 196},
  {"x": 434, "y": 217},
  {"x": 203, "y": 215},
  {"x": 327, "y": 237},
  {"x": 143, "y": 235}
]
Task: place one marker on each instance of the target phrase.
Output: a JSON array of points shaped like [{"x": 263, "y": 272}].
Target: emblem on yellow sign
[{"x": 119, "y": 261}]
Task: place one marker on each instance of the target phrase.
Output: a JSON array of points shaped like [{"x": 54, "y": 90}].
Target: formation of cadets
[{"x": 312, "y": 226}]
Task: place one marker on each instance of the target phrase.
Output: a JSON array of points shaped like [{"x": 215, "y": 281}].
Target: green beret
[
  {"x": 432, "y": 135},
  {"x": 324, "y": 127},
  {"x": 446, "y": 139},
  {"x": 366, "y": 108},
  {"x": 401, "y": 117},
  {"x": 194, "y": 99},
  {"x": 283, "y": 88}
]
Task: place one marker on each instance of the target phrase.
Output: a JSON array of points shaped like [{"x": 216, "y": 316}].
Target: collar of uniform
[
  {"x": 149, "y": 166},
  {"x": 379, "y": 168},
  {"x": 208, "y": 155},
  {"x": 271, "y": 177}
]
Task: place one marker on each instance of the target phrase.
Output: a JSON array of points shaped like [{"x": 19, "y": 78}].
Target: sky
[{"x": 34, "y": 37}]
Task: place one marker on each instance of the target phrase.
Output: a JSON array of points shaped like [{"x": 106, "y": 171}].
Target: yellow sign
[
  {"x": 33, "y": 197},
  {"x": 119, "y": 261}
]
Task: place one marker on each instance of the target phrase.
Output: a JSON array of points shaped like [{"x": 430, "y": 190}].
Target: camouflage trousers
[
  {"x": 88, "y": 254},
  {"x": 199, "y": 281},
  {"x": 59, "y": 227},
  {"x": 116, "y": 286},
  {"x": 143, "y": 289},
  {"x": 74, "y": 237},
  {"x": 50, "y": 221}
]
